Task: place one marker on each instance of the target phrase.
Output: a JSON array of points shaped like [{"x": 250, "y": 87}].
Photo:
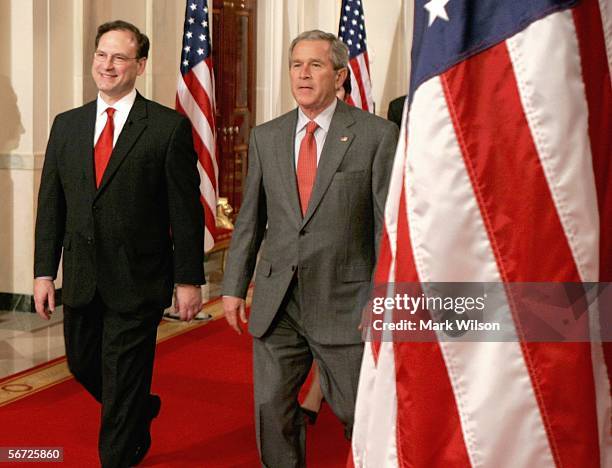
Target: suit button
[
  {"x": 302, "y": 233},
  {"x": 89, "y": 240},
  {"x": 95, "y": 207},
  {"x": 293, "y": 267}
]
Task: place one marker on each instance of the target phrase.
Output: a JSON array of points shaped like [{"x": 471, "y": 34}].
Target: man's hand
[
  {"x": 232, "y": 308},
  {"x": 188, "y": 301},
  {"x": 44, "y": 297}
]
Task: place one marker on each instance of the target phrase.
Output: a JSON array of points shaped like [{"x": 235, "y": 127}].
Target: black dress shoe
[
  {"x": 309, "y": 415},
  {"x": 145, "y": 443}
]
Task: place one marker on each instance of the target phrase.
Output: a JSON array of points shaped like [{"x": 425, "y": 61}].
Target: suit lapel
[
  {"x": 337, "y": 142},
  {"x": 133, "y": 128},
  {"x": 285, "y": 157},
  {"x": 86, "y": 132}
]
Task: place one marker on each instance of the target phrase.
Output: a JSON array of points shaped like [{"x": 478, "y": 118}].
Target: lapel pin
[{"x": 344, "y": 138}]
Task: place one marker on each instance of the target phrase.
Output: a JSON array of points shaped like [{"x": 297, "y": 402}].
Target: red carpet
[{"x": 205, "y": 380}]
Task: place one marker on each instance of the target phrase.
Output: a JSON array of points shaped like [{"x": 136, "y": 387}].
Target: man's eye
[{"x": 119, "y": 59}]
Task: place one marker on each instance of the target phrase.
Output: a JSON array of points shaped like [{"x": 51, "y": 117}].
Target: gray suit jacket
[{"x": 332, "y": 249}]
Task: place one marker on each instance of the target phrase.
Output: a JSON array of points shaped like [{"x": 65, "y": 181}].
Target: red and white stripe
[
  {"x": 361, "y": 86},
  {"x": 377, "y": 394},
  {"x": 196, "y": 99},
  {"x": 508, "y": 188}
]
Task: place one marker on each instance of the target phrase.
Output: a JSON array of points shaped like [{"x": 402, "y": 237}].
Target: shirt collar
[
  {"x": 323, "y": 120},
  {"x": 122, "y": 106}
]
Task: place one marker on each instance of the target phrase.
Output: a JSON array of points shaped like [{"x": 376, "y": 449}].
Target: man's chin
[
  {"x": 106, "y": 83},
  {"x": 104, "y": 88},
  {"x": 305, "y": 103}
]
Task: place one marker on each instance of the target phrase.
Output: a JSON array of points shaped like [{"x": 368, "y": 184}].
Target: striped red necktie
[
  {"x": 104, "y": 146},
  {"x": 307, "y": 165}
]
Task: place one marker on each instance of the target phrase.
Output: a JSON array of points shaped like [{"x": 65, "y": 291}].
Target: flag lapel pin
[{"x": 344, "y": 138}]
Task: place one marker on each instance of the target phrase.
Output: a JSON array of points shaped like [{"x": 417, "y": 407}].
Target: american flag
[
  {"x": 195, "y": 97},
  {"x": 352, "y": 32},
  {"x": 501, "y": 174}
]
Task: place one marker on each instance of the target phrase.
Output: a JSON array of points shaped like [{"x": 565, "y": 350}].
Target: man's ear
[
  {"x": 142, "y": 64},
  {"x": 340, "y": 77}
]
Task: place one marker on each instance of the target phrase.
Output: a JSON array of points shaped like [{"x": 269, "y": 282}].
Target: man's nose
[
  {"x": 108, "y": 62},
  {"x": 305, "y": 71}
]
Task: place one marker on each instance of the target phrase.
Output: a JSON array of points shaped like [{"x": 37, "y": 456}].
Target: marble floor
[{"x": 27, "y": 341}]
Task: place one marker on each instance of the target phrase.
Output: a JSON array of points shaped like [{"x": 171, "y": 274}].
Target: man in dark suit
[
  {"x": 314, "y": 202},
  {"x": 396, "y": 109},
  {"x": 119, "y": 195}
]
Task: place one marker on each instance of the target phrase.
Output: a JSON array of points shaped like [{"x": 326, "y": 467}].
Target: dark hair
[
  {"x": 142, "y": 41},
  {"x": 347, "y": 82}
]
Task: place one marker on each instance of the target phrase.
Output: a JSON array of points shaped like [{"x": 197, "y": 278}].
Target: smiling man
[
  {"x": 314, "y": 201},
  {"x": 119, "y": 195}
]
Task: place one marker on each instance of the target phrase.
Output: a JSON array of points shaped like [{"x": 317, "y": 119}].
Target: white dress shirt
[
  {"x": 323, "y": 120},
  {"x": 122, "y": 109}
]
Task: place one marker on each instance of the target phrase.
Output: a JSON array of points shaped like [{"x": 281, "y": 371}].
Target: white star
[
  {"x": 204, "y": 24},
  {"x": 356, "y": 12},
  {"x": 205, "y": 9},
  {"x": 202, "y": 37},
  {"x": 359, "y": 46},
  {"x": 436, "y": 9},
  {"x": 354, "y": 22},
  {"x": 351, "y": 32},
  {"x": 344, "y": 18},
  {"x": 190, "y": 20},
  {"x": 200, "y": 51},
  {"x": 349, "y": 42},
  {"x": 361, "y": 36},
  {"x": 193, "y": 6},
  {"x": 188, "y": 34},
  {"x": 185, "y": 62},
  {"x": 342, "y": 28},
  {"x": 361, "y": 27},
  {"x": 186, "y": 48},
  {"x": 358, "y": 2},
  {"x": 347, "y": 8}
]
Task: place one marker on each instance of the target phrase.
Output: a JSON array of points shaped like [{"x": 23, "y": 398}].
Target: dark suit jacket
[
  {"x": 396, "y": 108},
  {"x": 332, "y": 249},
  {"x": 142, "y": 230}
]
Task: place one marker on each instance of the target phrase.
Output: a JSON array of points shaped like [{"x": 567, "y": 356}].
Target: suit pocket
[
  {"x": 349, "y": 175},
  {"x": 147, "y": 247},
  {"x": 356, "y": 273},
  {"x": 264, "y": 269}
]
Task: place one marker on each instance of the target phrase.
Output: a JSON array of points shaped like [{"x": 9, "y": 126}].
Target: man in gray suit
[{"x": 314, "y": 202}]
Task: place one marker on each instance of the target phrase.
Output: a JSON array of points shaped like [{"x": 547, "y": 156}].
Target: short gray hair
[{"x": 338, "y": 51}]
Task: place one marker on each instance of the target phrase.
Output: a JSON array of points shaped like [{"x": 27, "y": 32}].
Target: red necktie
[
  {"x": 307, "y": 165},
  {"x": 104, "y": 146}
]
